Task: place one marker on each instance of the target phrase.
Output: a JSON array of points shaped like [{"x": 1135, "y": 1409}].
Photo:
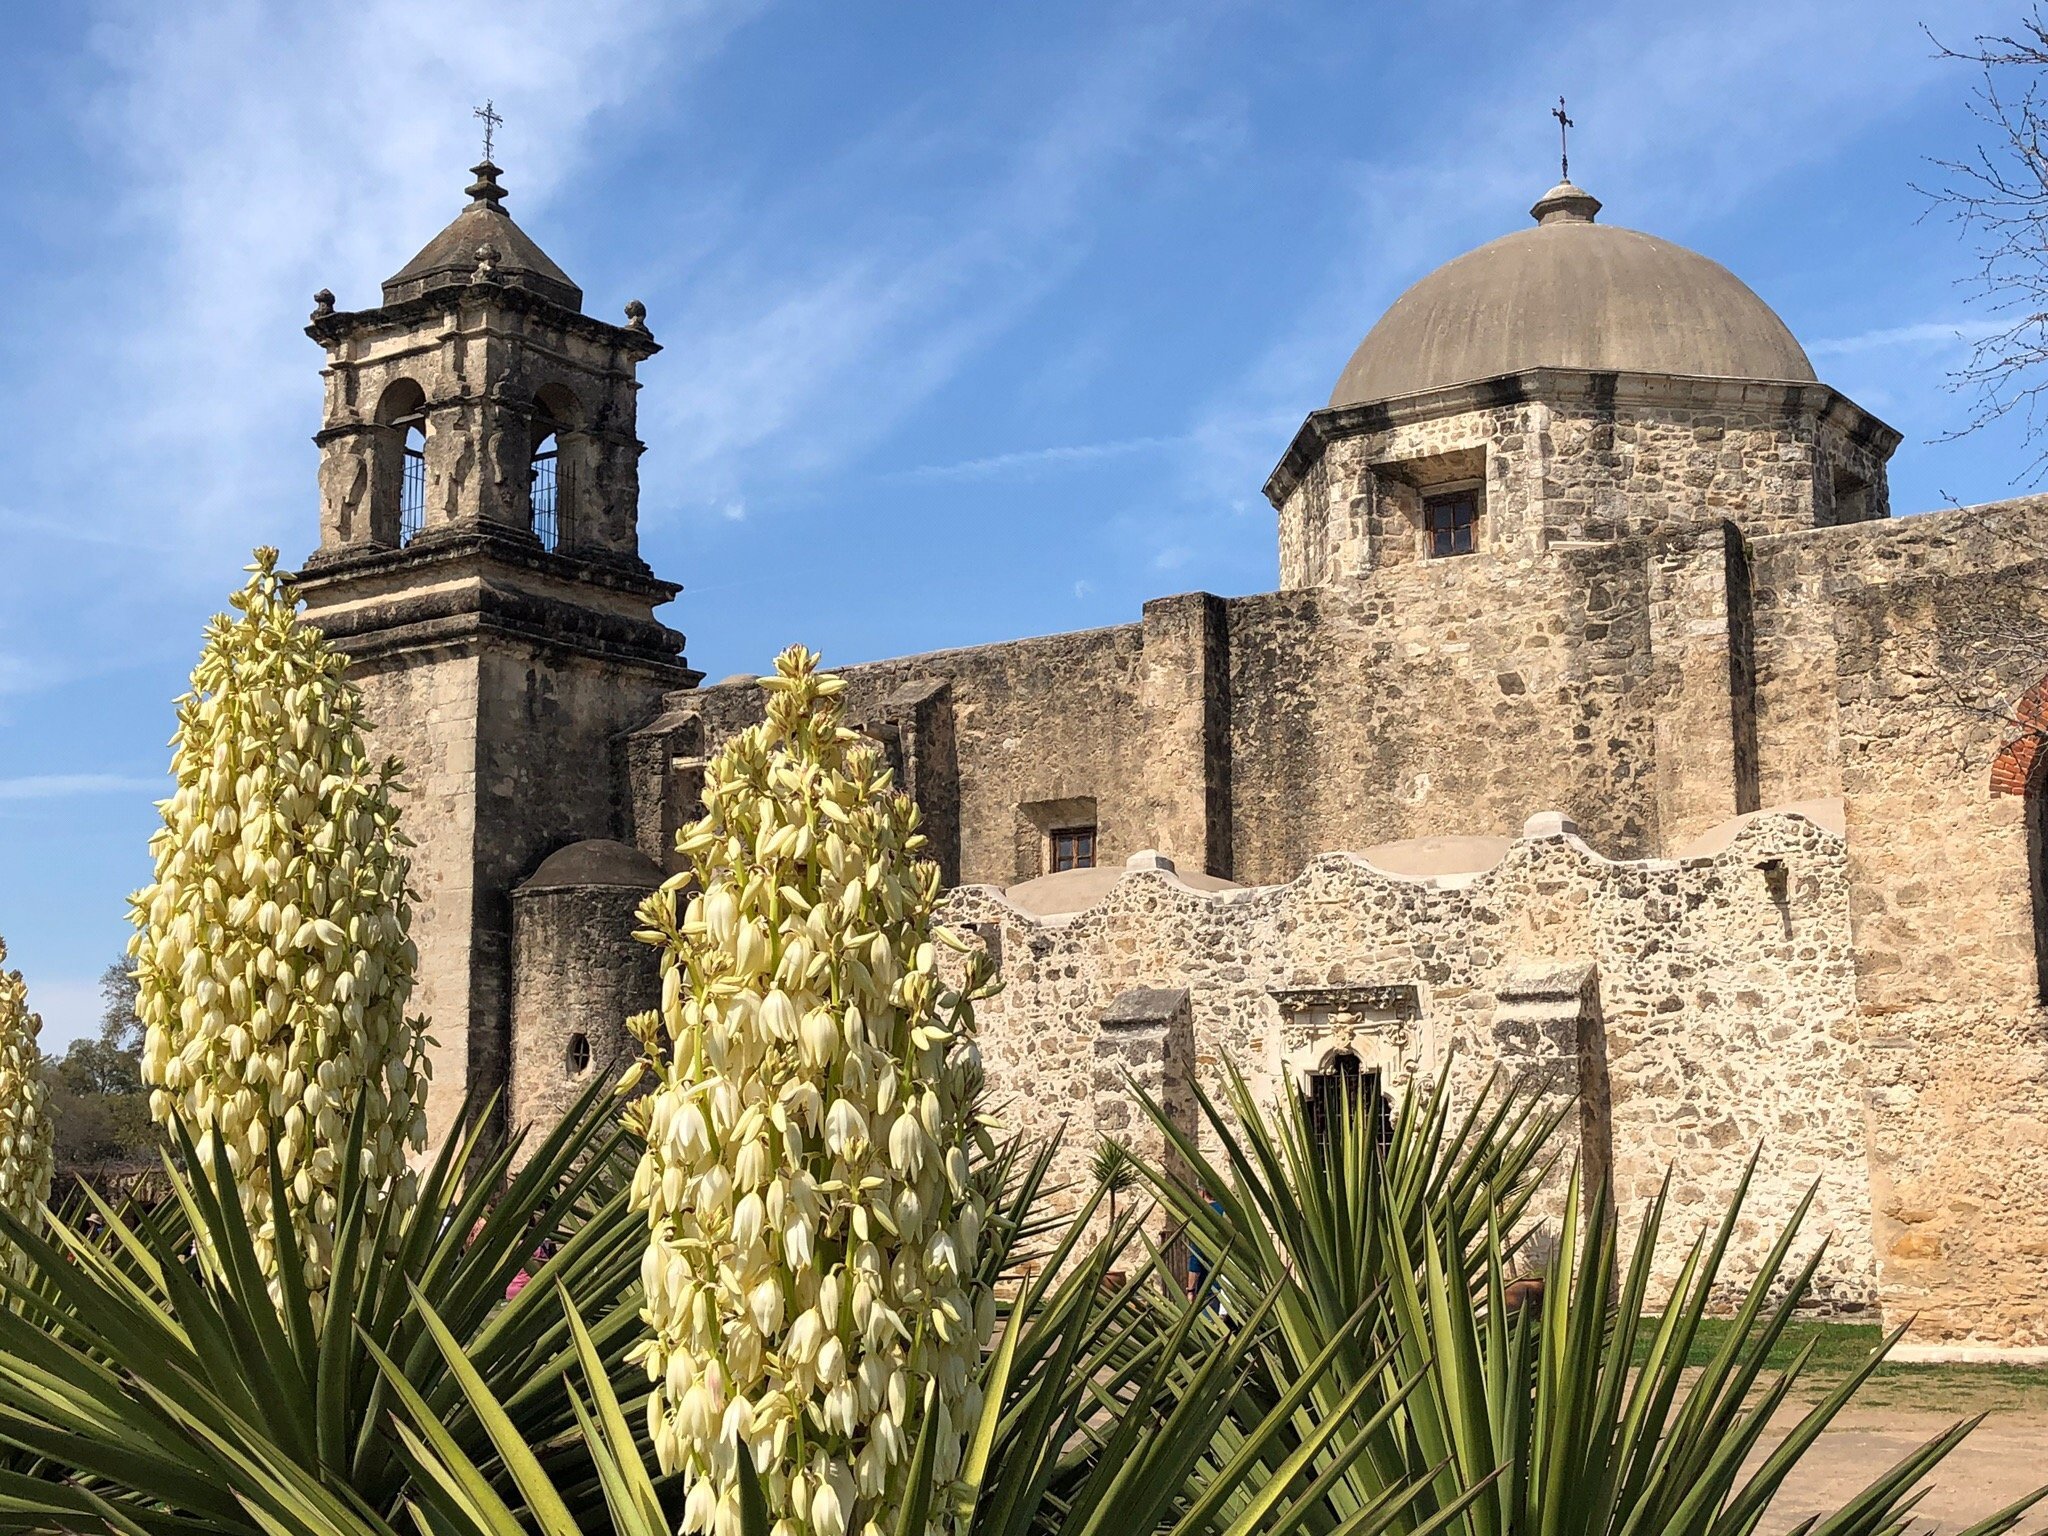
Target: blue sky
[{"x": 979, "y": 321}]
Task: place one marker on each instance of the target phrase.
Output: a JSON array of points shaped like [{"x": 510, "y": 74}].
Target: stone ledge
[
  {"x": 1969, "y": 1354},
  {"x": 1146, "y": 1008}
]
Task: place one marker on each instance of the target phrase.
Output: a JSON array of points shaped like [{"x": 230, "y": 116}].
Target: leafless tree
[
  {"x": 1999, "y": 195},
  {"x": 1989, "y": 654}
]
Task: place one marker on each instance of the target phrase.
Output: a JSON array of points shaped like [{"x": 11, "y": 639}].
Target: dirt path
[{"x": 2006, "y": 1457}]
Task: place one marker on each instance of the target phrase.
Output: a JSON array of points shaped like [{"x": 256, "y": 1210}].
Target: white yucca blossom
[
  {"x": 815, "y": 1217},
  {"x": 271, "y": 952},
  {"x": 25, "y": 1129}
]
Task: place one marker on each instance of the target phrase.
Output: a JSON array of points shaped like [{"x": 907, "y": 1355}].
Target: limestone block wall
[
  {"x": 1718, "y": 1014},
  {"x": 548, "y": 724},
  {"x": 1939, "y": 619},
  {"x": 1444, "y": 696},
  {"x": 425, "y": 715},
  {"x": 1794, "y": 658},
  {"x": 1044, "y": 731}
]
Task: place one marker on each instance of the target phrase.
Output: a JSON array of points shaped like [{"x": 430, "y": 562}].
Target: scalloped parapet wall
[{"x": 1697, "y": 1007}]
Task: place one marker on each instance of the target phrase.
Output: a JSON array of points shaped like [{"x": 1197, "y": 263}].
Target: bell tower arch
[{"x": 479, "y": 560}]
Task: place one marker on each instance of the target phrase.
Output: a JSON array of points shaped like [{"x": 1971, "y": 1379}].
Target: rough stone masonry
[{"x": 1601, "y": 728}]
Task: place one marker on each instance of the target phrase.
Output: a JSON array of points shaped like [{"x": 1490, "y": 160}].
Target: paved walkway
[{"x": 2004, "y": 1458}]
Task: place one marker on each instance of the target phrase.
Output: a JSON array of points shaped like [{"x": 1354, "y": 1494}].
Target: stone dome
[
  {"x": 596, "y": 861},
  {"x": 1571, "y": 293}
]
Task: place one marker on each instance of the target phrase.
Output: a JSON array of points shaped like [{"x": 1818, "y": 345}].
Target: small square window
[
  {"x": 1073, "y": 848},
  {"x": 1449, "y": 522}
]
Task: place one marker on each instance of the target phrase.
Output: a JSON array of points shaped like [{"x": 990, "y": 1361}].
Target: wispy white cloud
[
  {"x": 255, "y": 152},
  {"x": 1056, "y": 456},
  {"x": 19, "y": 674},
  {"x": 64, "y": 786},
  {"x": 822, "y": 349},
  {"x": 1922, "y": 334}
]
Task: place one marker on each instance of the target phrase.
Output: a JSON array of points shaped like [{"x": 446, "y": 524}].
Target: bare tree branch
[{"x": 1999, "y": 195}]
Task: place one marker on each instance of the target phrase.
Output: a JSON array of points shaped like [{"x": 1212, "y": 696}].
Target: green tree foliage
[
  {"x": 271, "y": 951},
  {"x": 97, "y": 1095}
]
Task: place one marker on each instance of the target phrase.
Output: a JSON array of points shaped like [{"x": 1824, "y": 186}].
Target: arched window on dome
[{"x": 1450, "y": 523}]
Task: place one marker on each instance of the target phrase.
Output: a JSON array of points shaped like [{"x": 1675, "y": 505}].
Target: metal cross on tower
[
  {"x": 1564, "y": 158},
  {"x": 492, "y": 122}
]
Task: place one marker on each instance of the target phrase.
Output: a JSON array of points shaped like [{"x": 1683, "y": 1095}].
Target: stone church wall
[
  {"x": 1939, "y": 617},
  {"x": 1447, "y": 696},
  {"x": 1045, "y": 732},
  {"x": 424, "y": 713},
  {"x": 1713, "y": 1000}
]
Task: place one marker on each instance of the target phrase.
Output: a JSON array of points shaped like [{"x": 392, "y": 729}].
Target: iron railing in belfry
[
  {"x": 546, "y": 528},
  {"x": 412, "y": 496}
]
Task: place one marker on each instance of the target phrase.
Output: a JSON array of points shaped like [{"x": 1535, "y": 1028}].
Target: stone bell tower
[{"x": 479, "y": 561}]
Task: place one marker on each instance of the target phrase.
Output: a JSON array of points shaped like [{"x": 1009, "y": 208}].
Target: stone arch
[
  {"x": 553, "y": 460},
  {"x": 398, "y": 463}
]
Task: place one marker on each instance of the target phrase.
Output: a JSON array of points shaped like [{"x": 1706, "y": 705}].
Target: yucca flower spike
[
  {"x": 271, "y": 951},
  {"x": 815, "y": 1216}
]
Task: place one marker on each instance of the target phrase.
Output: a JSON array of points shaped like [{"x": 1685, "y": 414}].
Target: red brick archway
[{"x": 2012, "y": 771}]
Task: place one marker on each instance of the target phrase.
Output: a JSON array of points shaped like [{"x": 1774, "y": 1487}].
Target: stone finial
[
  {"x": 636, "y": 315},
  {"x": 323, "y": 303},
  {"x": 1566, "y": 203},
  {"x": 1149, "y": 858},
  {"x": 1550, "y": 824},
  {"x": 486, "y": 262},
  {"x": 485, "y": 188}
]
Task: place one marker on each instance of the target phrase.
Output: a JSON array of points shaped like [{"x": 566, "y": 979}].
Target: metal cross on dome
[
  {"x": 1564, "y": 158},
  {"x": 492, "y": 122}
]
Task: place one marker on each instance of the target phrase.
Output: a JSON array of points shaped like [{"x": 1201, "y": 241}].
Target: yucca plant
[
  {"x": 1533, "y": 1419},
  {"x": 26, "y": 1158},
  {"x": 1111, "y": 1171},
  {"x": 1548, "y": 1409},
  {"x": 158, "y": 1382},
  {"x": 1105, "y": 1413},
  {"x": 272, "y": 960}
]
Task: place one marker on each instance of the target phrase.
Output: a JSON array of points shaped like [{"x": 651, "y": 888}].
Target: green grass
[{"x": 1839, "y": 1348}]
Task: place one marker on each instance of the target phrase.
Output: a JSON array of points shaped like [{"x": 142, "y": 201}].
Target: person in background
[{"x": 1199, "y": 1264}]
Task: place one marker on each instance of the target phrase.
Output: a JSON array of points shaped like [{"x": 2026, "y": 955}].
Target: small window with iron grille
[
  {"x": 412, "y": 487},
  {"x": 1450, "y": 523},
  {"x": 544, "y": 483},
  {"x": 1073, "y": 848},
  {"x": 1343, "y": 1099}
]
